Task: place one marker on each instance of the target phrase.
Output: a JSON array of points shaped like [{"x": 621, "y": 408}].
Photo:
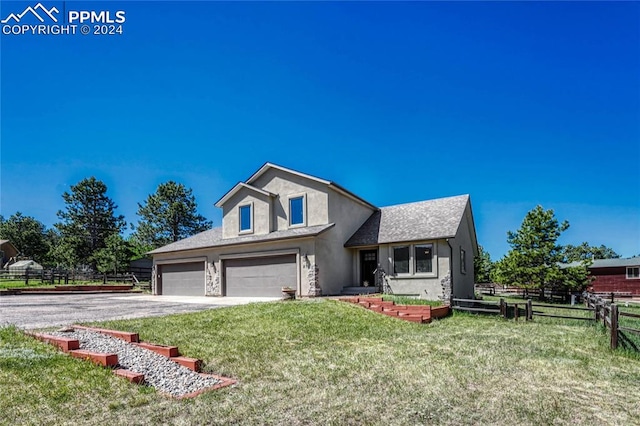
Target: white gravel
[{"x": 159, "y": 371}]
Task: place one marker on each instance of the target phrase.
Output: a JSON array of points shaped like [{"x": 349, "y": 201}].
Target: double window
[
  {"x": 413, "y": 259},
  {"x": 246, "y": 218},
  {"x": 297, "y": 211},
  {"x": 633, "y": 272}
]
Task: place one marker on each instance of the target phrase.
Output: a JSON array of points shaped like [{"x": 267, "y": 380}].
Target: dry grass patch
[{"x": 326, "y": 362}]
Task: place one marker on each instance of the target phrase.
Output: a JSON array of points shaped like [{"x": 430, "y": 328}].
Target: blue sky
[{"x": 517, "y": 104}]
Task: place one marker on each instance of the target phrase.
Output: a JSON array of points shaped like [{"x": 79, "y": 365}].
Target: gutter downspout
[{"x": 450, "y": 271}]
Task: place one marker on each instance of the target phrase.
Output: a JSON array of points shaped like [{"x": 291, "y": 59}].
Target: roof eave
[
  {"x": 242, "y": 243},
  {"x": 413, "y": 240},
  {"x": 233, "y": 191},
  {"x": 267, "y": 166}
]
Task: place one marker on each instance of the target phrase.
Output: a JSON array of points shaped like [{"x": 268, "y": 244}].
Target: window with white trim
[
  {"x": 246, "y": 218},
  {"x": 297, "y": 210},
  {"x": 633, "y": 272}
]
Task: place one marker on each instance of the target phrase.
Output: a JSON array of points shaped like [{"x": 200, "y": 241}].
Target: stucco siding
[
  {"x": 424, "y": 286},
  {"x": 463, "y": 282},
  {"x": 286, "y": 185},
  {"x": 261, "y": 213},
  {"x": 348, "y": 215}
]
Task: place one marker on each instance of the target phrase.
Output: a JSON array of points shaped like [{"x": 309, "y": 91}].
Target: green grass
[
  {"x": 406, "y": 300},
  {"x": 6, "y": 283},
  {"x": 36, "y": 282},
  {"x": 328, "y": 362}
]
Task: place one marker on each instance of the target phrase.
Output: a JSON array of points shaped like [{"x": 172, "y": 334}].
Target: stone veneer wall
[
  {"x": 312, "y": 277},
  {"x": 212, "y": 287},
  {"x": 446, "y": 288}
]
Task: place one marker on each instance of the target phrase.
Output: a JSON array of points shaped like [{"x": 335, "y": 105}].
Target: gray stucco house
[{"x": 283, "y": 228}]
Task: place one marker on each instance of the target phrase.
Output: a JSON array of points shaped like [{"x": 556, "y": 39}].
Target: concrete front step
[{"x": 359, "y": 290}]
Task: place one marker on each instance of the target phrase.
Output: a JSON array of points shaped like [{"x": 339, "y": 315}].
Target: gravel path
[{"x": 160, "y": 372}]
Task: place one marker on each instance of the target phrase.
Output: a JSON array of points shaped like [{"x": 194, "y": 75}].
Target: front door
[{"x": 368, "y": 266}]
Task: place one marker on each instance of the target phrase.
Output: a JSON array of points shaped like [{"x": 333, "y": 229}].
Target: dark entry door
[{"x": 368, "y": 265}]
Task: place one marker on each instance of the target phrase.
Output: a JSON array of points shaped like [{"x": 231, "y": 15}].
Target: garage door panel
[
  {"x": 183, "y": 279},
  {"x": 261, "y": 276}
]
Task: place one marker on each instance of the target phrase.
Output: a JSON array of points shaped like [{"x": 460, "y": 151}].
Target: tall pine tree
[
  {"x": 87, "y": 221},
  {"x": 169, "y": 215}
]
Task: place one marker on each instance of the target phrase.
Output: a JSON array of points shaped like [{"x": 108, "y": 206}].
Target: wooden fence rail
[
  {"x": 52, "y": 276},
  {"x": 603, "y": 311}
]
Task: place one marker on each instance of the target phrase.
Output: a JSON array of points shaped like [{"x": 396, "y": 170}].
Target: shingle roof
[
  {"x": 608, "y": 263},
  {"x": 332, "y": 185},
  {"x": 424, "y": 220},
  {"x": 213, "y": 238}
]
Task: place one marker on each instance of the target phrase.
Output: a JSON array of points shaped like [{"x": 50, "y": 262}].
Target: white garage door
[
  {"x": 260, "y": 276},
  {"x": 182, "y": 279}
]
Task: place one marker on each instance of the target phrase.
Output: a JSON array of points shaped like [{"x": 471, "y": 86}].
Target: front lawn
[{"x": 328, "y": 362}]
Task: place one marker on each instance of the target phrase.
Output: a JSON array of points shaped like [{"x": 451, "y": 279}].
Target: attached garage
[
  {"x": 260, "y": 276},
  {"x": 182, "y": 279}
]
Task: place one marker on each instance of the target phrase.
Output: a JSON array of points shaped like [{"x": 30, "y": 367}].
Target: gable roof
[
  {"x": 233, "y": 191},
  {"x": 268, "y": 166},
  {"x": 213, "y": 238},
  {"x": 424, "y": 220}
]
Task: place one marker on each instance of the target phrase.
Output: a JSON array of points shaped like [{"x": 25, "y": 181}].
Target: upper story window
[
  {"x": 633, "y": 272},
  {"x": 297, "y": 210},
  {"x": 246, "y": 218}
]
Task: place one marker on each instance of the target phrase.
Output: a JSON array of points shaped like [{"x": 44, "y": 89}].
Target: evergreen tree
[
  {"x": 27, "y": 234},
  {"x": 482, "y": 266},
  {"x": 115, "y": 256},
  {"x": 534, "y": 259},
  {"x": 169, "y": 215},
  {"x": 586, "y": 252},
  {"x": 87, "y": 221}
]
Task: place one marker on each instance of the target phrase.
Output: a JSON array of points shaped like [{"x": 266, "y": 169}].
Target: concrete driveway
[{"x": 39, "y": 311}]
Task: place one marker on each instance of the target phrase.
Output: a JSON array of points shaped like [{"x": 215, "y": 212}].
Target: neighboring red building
[{"x": 616, "y": 276}]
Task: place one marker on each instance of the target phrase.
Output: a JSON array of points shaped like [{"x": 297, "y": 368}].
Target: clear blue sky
[{"x": 515, "y": 103}]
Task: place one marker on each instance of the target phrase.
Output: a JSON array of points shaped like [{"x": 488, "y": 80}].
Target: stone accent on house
[
  {"x": 212, "y": 277},
  {"x": 446, "y": 288},
  {"x": 382, "y": 283},
  {"x": 154, "y": 275},
  {"x": 312, "y": 277}
]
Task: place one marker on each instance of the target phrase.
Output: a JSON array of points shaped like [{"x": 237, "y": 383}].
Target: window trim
[
  {"x": 291, "y": 197},
  {"x": 250, "y": 230},
  {"x": 463, "y": 261},
  {"x": 412, "y": 260},
  {"x": 415, "y": 259},
  {"x": 393, "y": 257},
  {"x": 635, "y": 277}
]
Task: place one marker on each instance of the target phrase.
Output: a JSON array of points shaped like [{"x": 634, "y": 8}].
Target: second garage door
[
  {"x": 260, "y": 276},
  {"x": 183, "y": 279}
]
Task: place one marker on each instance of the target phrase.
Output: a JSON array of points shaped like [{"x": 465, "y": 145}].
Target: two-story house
[{"x": 282, "y": 228}]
